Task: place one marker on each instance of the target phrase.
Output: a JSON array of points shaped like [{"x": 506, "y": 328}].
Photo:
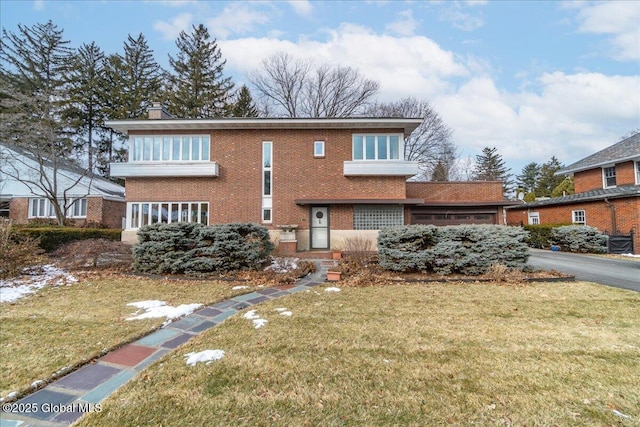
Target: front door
[{"x": 320, "y": 227}]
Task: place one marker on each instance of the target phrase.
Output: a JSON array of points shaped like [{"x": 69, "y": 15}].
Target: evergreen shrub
[
  {"x": 196, "y": 249},
  {"x": 465, "y": 249},
  {"x": 540, "y": 235},
  {"x": 52, "y": 237},
  {"x": 580, "y": 238}
]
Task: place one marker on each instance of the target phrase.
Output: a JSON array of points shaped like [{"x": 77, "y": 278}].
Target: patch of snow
[
  {"x": 620, "y": 414},
  {"x": 155, "y": 308},
  {"x": 235, "y": 288},
  {"x": 631, "y": 255},
  {"x": 204, "y": 356},
  {"x": 37, "y": 383},
  {"x": 332, "y": 289},
  {"x": 14, "y": 289},
  {"x": 280, "y": 309},
  {"x": 286, "y": 313},
  {"x": 283, "y": 265},
  {"x": 259, "y": 323},
  {"x": 251, "y": 314}
]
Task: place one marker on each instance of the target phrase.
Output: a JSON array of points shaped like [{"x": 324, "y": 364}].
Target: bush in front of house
[
  {"x": 540, "y": 235},
  {"x": 17, "y": 252},
  {"x": 465, "y": 249},
  {"x": 196, "y": 249},
  {"x": 580, "y": 238},
  {"x": 53, "y": 236}
]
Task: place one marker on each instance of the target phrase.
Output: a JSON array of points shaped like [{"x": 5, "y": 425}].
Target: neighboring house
[
  {"x": 91, "y": 199},
  {"x": 607, "y": 196},
  {"x": 312, "y": 182}
]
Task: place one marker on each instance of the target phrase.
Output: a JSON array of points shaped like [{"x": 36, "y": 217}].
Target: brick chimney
[{"x": 158, "y": 112}]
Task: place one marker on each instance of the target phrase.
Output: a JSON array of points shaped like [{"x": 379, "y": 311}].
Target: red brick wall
[
  {"x": 19, "y": 210},
  {"x": 598, "y": 214},
  {"x": 591, "y": 179},
  {"x": 479, "y": 191},
  {"x": 236, "y": 194}
]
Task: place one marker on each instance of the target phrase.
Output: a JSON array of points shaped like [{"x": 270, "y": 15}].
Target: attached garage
[{"x": 453, "y": 216}]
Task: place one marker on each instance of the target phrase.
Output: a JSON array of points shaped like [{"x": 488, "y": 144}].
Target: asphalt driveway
[{"x": 620, "y": 273}]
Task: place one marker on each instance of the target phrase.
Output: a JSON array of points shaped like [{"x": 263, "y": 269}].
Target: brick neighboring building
[
  {"x": 312, "y": 182},
  {"x": 90, "y": 199},
  {"x": 607, "y": 194}
]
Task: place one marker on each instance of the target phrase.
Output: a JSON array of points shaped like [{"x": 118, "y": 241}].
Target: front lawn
[
  {"x": 60, "y": 327},
  {"x": 436, "y": 354}
]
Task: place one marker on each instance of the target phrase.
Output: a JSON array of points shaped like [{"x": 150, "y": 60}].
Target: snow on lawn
[
  {"x": 257, "y": 321},
  {"x": 332, "y": 289},
  {"x": 631, "y": 255},
  {"x": 204, "y": 356},
  {"x": 14, "y": 289},
  {"x": 283, "y": 265},
  {"x": 155, "y": 308},
  {"x": 283, "y": 311}
]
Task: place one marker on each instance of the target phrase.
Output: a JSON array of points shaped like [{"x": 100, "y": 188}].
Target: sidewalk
[{"x": 65, "y": 400}]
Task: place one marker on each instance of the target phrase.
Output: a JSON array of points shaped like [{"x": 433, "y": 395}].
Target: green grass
[
  {"x": 408, "y": 355},
  {"x": 64, "y": 326}
]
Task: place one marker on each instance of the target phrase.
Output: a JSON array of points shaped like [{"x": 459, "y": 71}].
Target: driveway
[{"x": 616, "y": 272}]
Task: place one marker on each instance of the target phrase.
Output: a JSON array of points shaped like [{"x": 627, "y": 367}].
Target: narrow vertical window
[
  {"x": 267, "y": 181},
  {"x": 318, "y": 149}
]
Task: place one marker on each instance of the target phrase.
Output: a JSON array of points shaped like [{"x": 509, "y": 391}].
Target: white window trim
[
  {"x": 532, "y": 216},
  {"x": 637, "y": 167},
  {"x": 573, "y": 217},
  {"x": 179, "y": 211},
  {"x": 604, "y": 176},
  {"x": 133, "y": 153},
  {"x": 48, "y": 207},
  {"x": 320, "y": 144},
  {"x": 376, "y": 159}
]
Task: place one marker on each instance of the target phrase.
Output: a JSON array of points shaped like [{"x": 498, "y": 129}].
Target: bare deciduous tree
[
  {"x": 290, "y": 87},
  {"x": 430, "y": 144}
]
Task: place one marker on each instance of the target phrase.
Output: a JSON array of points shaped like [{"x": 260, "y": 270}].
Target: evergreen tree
[
  {"x": 548, "y": 180},
  {"x": 197, "y": 88},
  {"x": 33, "y": 63},
  {"x": 564, "y": 188},
  {"x": 244, "y": 105},
  {"x": 528, "y": 179},
  {"x": 85, "y": 83},
  {"x": 491, "y": 167},
  {"x": 440, "y": 173}
]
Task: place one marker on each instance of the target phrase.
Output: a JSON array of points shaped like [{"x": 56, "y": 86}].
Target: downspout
[{"x": 611, "y": 206}]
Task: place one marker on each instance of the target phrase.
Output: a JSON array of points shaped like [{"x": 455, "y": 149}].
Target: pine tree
[
  {"x": 85, "y": 82},
  {"x": 440, "y": 173},
  {"x": 565, "y": 188},
  {"x": 491, "y": 167},
  {"x": 197, "y": 88},
  {"x": 529, "y": 177},
  {"x": 244, "y": 105},
  {"x": 548, "y": 180}
]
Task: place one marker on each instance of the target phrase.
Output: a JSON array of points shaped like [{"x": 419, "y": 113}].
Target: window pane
[
  {"x": 157, "y": 143},
  {"x": 135, "y": 215},
  {"x": 267, "y": 183},
  {"x": 204, "y": 213},
  {"x": 370, "y": 147},
  {"x": 266, "y": 154},
  {"x": 318, "y": 148},
  {"x": 146, "y": 155},
  {"x": 195, "y": 148},
  {"x": 357, "y": 148},
  {"x": 266, "y": 215},
  {"x": 144, "y": 217},
  {"x": 164, "y": 213},
  {"x": 382, "y": 147},
  {"x": 176, "y": 149},
  {"x": 185, "y": 148},
  {"x": 394, "y": 147},
  {"x": 184, "y": 212},
  {"x": 194, "y": 212},
  {"x": 166, "y": 148},
  {"x": 205, "y": 148},
  {"x": 154, "y": 213},
  {"x": 137, "y": 149}
]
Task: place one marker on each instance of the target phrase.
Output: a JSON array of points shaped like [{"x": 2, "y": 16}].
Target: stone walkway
[{"x": 65, "y": 400}]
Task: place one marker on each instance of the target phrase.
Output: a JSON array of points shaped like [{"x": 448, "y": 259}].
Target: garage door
[{"x": 453, "y": 218}]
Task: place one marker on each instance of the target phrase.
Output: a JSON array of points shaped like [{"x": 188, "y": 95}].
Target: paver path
[{"x": 65, "y": 400}]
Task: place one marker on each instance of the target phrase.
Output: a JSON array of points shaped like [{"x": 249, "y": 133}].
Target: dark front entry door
[{"x": 319, "y": 227}]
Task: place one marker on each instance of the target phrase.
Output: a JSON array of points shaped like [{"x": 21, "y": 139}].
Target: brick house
[
  {"x": 90, "y": 199},
  {"x": 607, "y": 195},
  {"x": 312, "y": 182}
]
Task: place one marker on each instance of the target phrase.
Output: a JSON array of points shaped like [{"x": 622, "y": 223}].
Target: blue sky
[{"x": 532, "y": 78}]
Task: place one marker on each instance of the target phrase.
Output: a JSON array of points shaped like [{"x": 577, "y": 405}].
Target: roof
[
  {"x": 622, "y": 191},
  {"x": 125, "y": 126},
  {"x": 358, "y": 201},
  {"x": 68, "y": 174},
  {"x": 625, "y": 150}
]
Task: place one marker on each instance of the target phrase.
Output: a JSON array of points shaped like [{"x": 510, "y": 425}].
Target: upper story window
[
  {"x": 169, "y": 148},
  {"x": 609, "y": 176},
  {"x": 637, "y": 163},
  {"x": 318, "y": 149},
  {"x": 377, "y": 147}
]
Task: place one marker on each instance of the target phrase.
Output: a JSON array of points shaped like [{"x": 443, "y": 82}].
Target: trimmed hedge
[
  {"x": 196, "y": 249},
  {"x": 540, "y": 236},
  {"x": 466, "y": 249},
  {"x": 52, "y": 237},
  {"x": 580, "y": 238}
]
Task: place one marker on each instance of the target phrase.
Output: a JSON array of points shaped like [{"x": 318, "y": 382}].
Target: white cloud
[
  {"x": 171, "y": 30},
  {"x": 619, "y": 19},
  {"x": 236, "y": 18},
  {"x": 302, "y": 7},
  {"x": 404, "y": 25},
  {"x": 38, "y": 5},
  {"x": 453, "y": 13}
]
